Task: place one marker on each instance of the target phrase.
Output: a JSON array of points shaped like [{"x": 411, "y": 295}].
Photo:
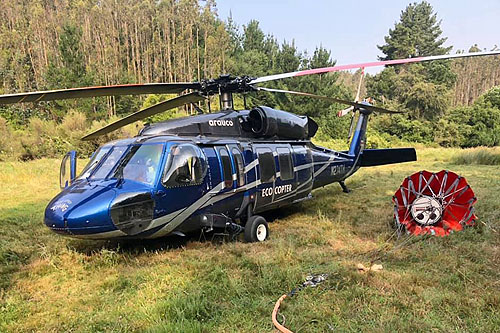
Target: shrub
[
  {"x": 9, "y": 141},
  {"x": 478, "y": 125},
  {"x": 335, "y": 127},
  {"x": 404, "y": 129},
  {"x": 447, "y": 133}
]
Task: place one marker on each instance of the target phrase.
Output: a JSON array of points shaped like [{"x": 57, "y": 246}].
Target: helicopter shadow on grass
[
  {"x": 140, "y": 246},
  {"x": 172, "y": 242},
  {"x": 128, "y": 246},
  {"x": 282, "y": 213}
]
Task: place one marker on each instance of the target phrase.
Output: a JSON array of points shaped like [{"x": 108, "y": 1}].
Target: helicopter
[{"x": 212, "y": 171}]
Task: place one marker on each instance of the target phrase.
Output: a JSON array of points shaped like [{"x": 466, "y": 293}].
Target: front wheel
[{"x": 256, "y": 229}]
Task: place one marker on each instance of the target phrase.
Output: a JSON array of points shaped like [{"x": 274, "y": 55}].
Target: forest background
[{"x": 52, "y": 44}]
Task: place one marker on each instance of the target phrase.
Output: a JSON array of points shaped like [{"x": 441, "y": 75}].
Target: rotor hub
[{"x": 226, "y": 84}]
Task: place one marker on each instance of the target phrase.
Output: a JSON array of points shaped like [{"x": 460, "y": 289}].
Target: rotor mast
[{"x": 226, "y": 100}]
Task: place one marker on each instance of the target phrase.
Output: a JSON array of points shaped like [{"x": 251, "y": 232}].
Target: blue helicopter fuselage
[
  {"x": 157, "y": 184},
  {"x": 234, "y": 176}
]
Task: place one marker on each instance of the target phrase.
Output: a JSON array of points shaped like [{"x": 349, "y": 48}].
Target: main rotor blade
[
  {"x": 369, "y": 64},
  {"x": 155, "y": 109},
  {"x": 331, "y": 99},
  {"x": 85, "y": 92}
]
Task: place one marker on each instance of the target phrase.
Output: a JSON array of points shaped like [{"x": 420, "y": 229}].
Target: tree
[
  {"x": 474, "y": 77},
  {"x": 422, "y": 89},
  {"x": 70, "y": 71},
  {"x": 418, "y": 33},
  {"x": 253, "y": 37}
]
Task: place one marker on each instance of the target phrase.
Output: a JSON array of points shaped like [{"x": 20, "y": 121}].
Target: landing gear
[
  {"x": 345, "y": 189},
  {"x": 256, "y": 229}
]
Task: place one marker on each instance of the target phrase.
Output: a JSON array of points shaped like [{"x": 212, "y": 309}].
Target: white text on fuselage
[
  {"x": 267, "y": 192},
  {"x": 61, "y": 205},
  {"x": 337, "y": 170},
  {"x": 221, "y": 123}
]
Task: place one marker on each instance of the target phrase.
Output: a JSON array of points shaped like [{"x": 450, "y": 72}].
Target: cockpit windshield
[
  {"x": 94, "y": 160},
  {"x": 136, "y": 162}
]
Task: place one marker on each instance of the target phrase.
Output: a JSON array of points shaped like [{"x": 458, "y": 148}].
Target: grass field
[{"x": 51, "y": 283}]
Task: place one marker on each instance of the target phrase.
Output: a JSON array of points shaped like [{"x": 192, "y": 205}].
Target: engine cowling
[{"x": 267, "y": 122}]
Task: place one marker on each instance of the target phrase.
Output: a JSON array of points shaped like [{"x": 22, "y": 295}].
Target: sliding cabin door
[
  {"x": 266, "y": 177},
  {"x": 303, "y": 168},
  {"x": 231, "y": 166}
]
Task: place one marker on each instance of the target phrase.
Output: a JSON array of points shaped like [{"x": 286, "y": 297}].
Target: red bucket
[{"x": 434, "y": 203}]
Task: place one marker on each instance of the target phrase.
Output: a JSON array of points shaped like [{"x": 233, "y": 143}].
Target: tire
[{"x": 256, "y": 229}]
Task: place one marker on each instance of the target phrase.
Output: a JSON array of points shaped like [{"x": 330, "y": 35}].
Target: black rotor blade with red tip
[
  {"x": 87, "y": 92},
  {"x": 331, "y": 99},
  {"x": 139, "y": 115}
]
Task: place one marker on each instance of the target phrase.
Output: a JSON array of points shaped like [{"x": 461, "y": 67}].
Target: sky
[{"x": 353, "y": 29}]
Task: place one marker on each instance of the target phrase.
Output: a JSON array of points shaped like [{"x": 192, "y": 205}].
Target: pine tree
[
  {"x": 418, "y": 33},
  {"x": 422, "y": 89}
]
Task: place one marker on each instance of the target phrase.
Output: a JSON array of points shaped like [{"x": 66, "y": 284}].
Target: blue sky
[{"x": 352, "y": 29}]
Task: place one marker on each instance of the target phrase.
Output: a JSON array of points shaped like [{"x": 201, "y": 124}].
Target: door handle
[{"x": 160, "y": 193}]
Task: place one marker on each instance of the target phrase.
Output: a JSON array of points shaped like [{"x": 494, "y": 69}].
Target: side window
[
  {"x": 240, "y": 166},
  {"x": 226, "y": 167},
  {"x": 266, "y": 165},
  {"x": 186, "y": 165},
  {"x": 286, "y": 167}
]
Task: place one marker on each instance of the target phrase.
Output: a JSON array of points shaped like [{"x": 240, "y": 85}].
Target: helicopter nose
[
  {"x": 83, "y": 215},
  {"x": 54, "y": 216},
  {"x": 92, "y": 216}
]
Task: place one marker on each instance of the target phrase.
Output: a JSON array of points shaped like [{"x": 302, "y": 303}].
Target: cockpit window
[
  {"x": 94, "y": 160},
  {"x": 136, "y": 162},
  {"x": 186, "y": 166},
  {"x": 109, "y": 162},
  {"x": 140, "y": 163}
]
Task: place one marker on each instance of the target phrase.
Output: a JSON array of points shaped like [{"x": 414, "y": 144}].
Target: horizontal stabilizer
[{"x": 373, "y": 157}]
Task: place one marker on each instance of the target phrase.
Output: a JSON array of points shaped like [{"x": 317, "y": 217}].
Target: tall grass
[{"x": 478, "y": 156}]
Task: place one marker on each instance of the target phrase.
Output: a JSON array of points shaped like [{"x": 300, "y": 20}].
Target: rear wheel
[{"x": 256, "y": 229}]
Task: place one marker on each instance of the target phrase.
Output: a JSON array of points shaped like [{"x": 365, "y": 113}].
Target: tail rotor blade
[
  {"x": 139, "y": 115},
  {"x": 351, "y": 127},
  {"x": 342, "y": 113},
  {"x": 360, "y": 83}
]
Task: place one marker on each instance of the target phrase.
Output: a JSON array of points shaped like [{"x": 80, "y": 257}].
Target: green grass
[
  {"x": 52, "y": 283},
  {"x": 484, "y": 156}
]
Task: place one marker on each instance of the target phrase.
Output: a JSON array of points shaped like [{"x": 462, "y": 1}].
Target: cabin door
[
  {"x": 303, "y": 168},
  {"x": 231, "y": 166},
  {"x": 266, "y": 177},
  {"x": 285, "y": 185}
]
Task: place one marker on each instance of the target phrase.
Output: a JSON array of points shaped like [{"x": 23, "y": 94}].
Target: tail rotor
[{"x": 345, "y": 111}]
